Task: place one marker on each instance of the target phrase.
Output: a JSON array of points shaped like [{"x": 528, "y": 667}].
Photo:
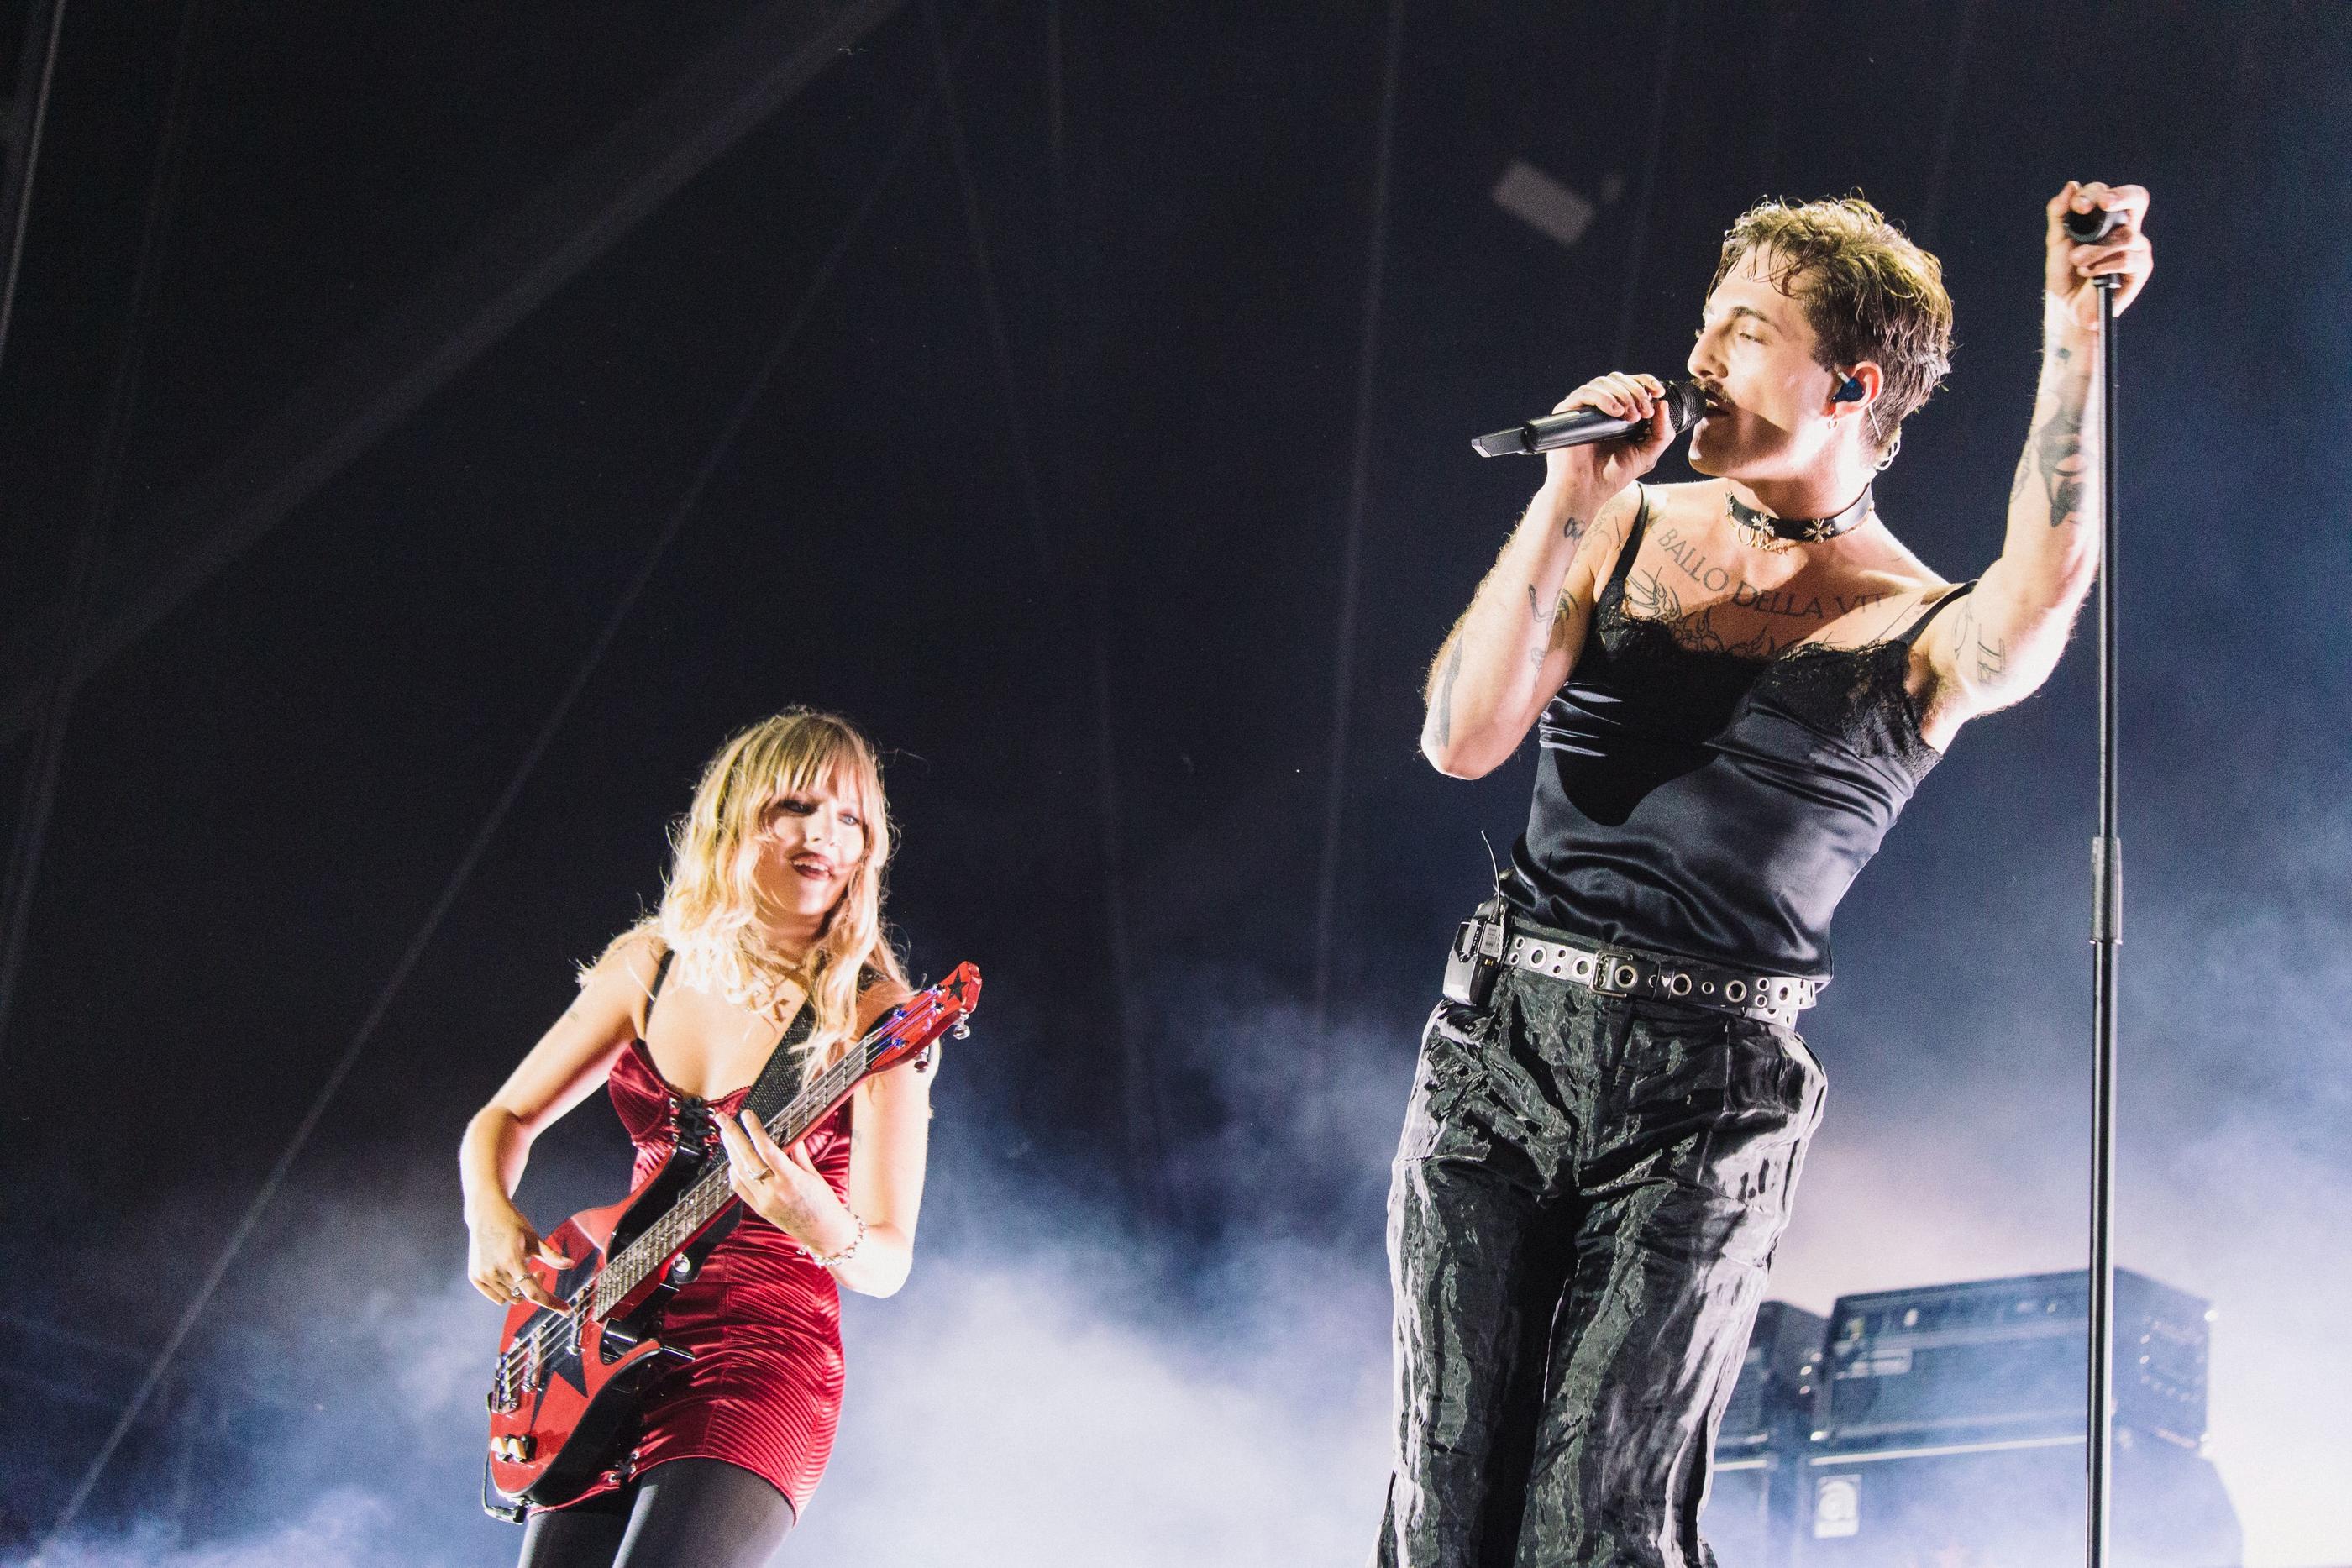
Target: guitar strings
[{"x": 553, "y": 1327}]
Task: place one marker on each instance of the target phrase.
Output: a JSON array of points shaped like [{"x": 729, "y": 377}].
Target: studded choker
[{"x": 1761, "y": 529}]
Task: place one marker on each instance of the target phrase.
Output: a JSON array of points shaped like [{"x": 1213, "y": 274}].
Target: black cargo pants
[{"x": 1585, "y": 1202}]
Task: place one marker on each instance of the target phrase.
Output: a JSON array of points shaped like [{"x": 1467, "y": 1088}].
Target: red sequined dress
[{"x": 763, "y": 1321}]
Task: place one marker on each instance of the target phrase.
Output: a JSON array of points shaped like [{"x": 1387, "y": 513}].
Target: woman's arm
[
  {"x": 563, "y": 1068},
  {"x": 890, "y": 1123}
]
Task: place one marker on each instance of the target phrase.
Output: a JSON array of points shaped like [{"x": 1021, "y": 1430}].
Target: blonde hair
[
  {"x": 710, "y": 907},
  {"x": 1869, "y": 292}
]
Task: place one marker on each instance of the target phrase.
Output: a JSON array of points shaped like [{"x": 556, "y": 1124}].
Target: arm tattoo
[
  {"x": 1988, "y": 657},
  {"x": 1573, "y": 529},
  {"x": 1445, "y": 703},
  {"x": 1555, "y": 634},
  {"x": 2053, "y": 453}
]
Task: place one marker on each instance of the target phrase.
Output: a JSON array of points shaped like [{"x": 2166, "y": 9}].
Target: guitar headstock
[{"x": 924, "y": 1016}]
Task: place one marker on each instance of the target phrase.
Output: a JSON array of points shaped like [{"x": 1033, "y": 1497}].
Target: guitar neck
[{"x": 702, "y": 1202}]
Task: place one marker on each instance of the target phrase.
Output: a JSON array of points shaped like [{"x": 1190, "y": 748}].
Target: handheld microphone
[
  {"x": 1683, "y": 402},
  {"x": 2088, "y": 228}
]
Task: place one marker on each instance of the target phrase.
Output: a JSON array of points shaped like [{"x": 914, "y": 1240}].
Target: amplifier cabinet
[
  {"x": 2008, "y": 1503},
  {"x": 1776, "y": 1381},
  {"x": 2003, "y": 1360}
]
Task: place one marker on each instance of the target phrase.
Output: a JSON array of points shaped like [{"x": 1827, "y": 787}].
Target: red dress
[{"x": 763, "y": 1320}]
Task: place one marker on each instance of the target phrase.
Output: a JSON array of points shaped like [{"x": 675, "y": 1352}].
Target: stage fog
[{"x": 435, "y": 431}]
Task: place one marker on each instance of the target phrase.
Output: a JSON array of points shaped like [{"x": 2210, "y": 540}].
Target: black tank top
[{"x": 1711, "y": 805}]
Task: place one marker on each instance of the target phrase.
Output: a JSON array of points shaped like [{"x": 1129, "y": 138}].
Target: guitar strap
[
  {"x": 778, "y": 1083},
  {"x": 780, "y": 1078},
  {"x": 774, "y": 1090}
]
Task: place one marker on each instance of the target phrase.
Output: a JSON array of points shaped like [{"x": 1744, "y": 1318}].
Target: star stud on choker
[{"x": 1762, "y": 530}]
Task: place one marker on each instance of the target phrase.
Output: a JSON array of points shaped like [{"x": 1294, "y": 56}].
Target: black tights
[{"x": 688, "y": 1513}]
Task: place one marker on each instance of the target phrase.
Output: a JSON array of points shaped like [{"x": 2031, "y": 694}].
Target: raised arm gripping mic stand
[{"x": 2106, "y": 938}]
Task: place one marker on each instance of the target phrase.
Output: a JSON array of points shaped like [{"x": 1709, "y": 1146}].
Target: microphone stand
[{"x": 2106, "y": 938}]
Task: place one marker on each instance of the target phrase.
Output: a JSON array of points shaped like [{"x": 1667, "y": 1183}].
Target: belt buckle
[{"x": 1615, "y": 974}]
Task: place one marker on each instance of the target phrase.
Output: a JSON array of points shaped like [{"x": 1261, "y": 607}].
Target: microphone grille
[
  {"x": 2085, "y": 228},
  {"x": 1684, "y": 402}
]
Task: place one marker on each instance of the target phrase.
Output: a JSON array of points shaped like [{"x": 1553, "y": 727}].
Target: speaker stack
[{"x": 1943, "y": 1428}]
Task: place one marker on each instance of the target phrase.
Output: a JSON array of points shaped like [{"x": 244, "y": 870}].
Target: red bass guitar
[{"x": 567, "y": 1381}]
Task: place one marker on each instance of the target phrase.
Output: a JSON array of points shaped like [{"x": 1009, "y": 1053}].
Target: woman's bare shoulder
[
  {"x": 875, "y": 1002},
  {"x": 623, "y": 975},
  {"x": 634, "y": 953}
]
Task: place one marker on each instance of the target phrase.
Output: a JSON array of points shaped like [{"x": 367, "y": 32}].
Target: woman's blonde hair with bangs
[{"x": 710, "y": 907}]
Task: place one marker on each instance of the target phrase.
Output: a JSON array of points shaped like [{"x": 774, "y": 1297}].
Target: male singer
[{"x": 1736, "y": 685}]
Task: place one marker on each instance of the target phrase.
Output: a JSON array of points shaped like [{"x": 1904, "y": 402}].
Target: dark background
[{"x": 1112, "y": 472}]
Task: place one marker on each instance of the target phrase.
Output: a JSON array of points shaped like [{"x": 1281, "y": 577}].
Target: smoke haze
[
  {"x": 1059, "y": 1385},
  {"x": 1147, "y": 1323}
]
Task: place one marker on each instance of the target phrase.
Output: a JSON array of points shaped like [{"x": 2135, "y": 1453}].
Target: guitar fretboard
[{"x": 700, "y": 1203}]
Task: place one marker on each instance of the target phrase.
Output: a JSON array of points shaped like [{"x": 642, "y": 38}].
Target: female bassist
[{"x": 768, "y": 938}]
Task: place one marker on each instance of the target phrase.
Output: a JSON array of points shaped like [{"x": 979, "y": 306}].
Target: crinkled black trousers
[{"x": 1585, "y": 1203}]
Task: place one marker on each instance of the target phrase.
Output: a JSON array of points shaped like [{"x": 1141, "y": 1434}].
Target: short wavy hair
[{"x": 1868, "y": 291}]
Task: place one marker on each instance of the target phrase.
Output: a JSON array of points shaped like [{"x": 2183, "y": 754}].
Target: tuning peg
[{"x": 963, "y": 1030}]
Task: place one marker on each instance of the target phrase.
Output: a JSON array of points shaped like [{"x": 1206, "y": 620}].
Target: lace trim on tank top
[{"x": 1858, "y": 696}]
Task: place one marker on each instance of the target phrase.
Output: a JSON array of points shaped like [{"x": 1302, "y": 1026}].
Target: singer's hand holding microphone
[
  {"x": 1603, "y": 435},
  {"x": 2094, "y": 240}
]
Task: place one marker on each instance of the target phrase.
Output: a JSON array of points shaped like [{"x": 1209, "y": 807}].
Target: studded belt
[{"x": 1623, "y": 972}]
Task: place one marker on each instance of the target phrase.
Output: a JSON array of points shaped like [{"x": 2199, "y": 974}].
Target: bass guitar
[{"x": 567, "y": 1381}]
